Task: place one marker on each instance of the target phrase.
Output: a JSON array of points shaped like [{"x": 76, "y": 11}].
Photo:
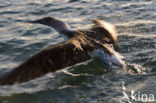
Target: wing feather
[
  {"x": 48, "y": 60},
  {"x": 105, "y": 28}
]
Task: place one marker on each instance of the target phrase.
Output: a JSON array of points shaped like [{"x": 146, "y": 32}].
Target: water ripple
[{"x": 92, "y": 82}]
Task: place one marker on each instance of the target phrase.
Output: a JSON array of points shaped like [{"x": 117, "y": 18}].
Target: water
[{"x": 84, "y": 83}]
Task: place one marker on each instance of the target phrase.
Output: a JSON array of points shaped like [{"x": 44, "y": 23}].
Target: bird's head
[{"x": 59, "y": 25}]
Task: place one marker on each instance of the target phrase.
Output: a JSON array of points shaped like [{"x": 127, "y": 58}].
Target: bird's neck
[{"x": 64, "y": 30}]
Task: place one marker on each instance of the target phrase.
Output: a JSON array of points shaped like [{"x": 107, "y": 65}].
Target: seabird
[{"x": 76, "y": 49}]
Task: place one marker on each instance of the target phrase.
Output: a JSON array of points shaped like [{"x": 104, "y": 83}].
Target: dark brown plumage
[
  {"x": 53, "y": 58},
  {"x": 48, "y": 60}
]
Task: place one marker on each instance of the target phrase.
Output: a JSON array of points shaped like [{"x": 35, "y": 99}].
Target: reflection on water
[{"x": 84, "y": 83}]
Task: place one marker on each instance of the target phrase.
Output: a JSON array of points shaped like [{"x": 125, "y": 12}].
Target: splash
[
  {"x": 135, "y": 69},
  {"x": 131, "y": 68}
]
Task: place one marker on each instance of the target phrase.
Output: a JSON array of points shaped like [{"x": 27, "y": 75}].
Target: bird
[{"x": 77, "y": 48}]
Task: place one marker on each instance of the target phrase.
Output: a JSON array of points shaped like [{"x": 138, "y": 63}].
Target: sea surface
[{"x": 90, "y": 82}]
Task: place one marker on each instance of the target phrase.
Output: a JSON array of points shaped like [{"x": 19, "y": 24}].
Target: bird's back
[{"x": 101, "y": 31}]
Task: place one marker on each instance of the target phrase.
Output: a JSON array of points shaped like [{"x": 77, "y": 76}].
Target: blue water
[{"x": 91, "y": 82}]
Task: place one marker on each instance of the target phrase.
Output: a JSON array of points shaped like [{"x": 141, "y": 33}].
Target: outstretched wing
[
  {"x": 48, "y": 60},
  {"x": 105, "y": 30}
]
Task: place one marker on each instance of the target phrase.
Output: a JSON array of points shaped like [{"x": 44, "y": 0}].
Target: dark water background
[{"x": 86, "y": 83}]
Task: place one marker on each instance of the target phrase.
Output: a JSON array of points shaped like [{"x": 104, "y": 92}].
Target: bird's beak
[{"x": 35, "y": 22}]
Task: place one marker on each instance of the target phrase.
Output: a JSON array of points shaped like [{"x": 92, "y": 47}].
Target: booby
[{"x": 74, "y": 50}]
